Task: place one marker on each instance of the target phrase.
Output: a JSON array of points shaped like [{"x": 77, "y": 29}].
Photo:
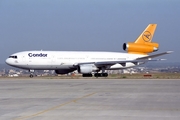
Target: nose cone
[{"x": 8, "y": 61}]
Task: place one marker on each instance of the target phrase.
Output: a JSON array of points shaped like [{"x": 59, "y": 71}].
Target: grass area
[
  {"x": 147, "y": 76},
  {"x": 111, "y": 76}
]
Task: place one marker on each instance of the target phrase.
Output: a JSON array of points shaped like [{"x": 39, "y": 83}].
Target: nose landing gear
[{"x": 31, "y": 73}]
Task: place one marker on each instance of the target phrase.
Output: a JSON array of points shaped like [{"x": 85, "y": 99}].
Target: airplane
[{"x": 90, "y": 63}]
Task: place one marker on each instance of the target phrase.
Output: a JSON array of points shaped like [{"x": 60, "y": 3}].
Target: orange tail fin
[{"x": 147, "y": 34}]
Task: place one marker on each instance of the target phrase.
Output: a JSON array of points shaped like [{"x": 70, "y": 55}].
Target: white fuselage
[{"x": 55, "y": 60}]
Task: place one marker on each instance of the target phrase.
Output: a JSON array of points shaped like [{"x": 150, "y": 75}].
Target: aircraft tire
[
  {"x": 31, "y": 76},
  {"x": 86, "y": 75},
  {"x": 100, "y": 74},
  {"x": 105, "y": 74}
]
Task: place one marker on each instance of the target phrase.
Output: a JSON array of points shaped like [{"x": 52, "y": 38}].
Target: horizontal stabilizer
[{"x": 153, "y": 56}]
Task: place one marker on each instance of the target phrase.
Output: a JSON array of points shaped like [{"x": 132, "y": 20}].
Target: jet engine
[
  {"x": 87, "y": 68},
  {"x": 140, "y": 48}
]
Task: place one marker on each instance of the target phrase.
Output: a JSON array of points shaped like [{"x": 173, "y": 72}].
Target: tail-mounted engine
[{"x": 140, "y": 48}]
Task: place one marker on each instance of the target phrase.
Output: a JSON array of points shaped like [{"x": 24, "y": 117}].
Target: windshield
[{"x": 13, "y": 57}]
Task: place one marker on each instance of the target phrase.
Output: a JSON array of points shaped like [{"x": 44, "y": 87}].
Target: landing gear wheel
[
  {"x": 101, "y": 75},
  {"x": 105, "y": 74},
  {"x": 31, "y": 76},
  {"x": 86, "y": 75},
  {"x": 31, "y": 73}
]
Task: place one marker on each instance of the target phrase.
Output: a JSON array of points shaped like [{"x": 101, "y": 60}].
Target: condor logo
[
  {"x": 146, "y": 36},
  {"x": 37, "y": 55}
]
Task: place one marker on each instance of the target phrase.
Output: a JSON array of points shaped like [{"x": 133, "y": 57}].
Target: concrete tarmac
[{"x": 96, "y": 99}]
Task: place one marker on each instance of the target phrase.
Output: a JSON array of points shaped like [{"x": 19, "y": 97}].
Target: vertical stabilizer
[{"x": 147, "y": 34}]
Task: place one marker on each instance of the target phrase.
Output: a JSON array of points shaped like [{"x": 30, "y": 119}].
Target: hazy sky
[{"x": 86, "y": 25}]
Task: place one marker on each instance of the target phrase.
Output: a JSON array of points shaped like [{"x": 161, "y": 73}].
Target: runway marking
[{"x": 54, "y": 108}]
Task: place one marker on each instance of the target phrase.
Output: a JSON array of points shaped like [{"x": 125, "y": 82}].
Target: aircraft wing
[
  {"x": 109, "y": 63},
  {"x": 136, "y": 61}
]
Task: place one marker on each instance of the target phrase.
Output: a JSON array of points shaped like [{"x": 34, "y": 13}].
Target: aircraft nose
[{"x": 8, "y": 61}]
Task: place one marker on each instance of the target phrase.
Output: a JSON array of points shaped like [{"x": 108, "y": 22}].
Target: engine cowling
[
  {"x": 87, "y": 68},
  {"x": 140, "y": 48},
  {"x": 64, "y": 71}
]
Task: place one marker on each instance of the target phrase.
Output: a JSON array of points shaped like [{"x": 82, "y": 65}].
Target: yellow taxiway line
[{"x": 53, "y": 108}]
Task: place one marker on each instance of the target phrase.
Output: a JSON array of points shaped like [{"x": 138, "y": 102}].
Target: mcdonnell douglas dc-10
[{"x": 90, "y": 63}]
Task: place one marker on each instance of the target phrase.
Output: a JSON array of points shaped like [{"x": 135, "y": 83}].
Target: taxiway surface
[{"x": 48, "y": 99}]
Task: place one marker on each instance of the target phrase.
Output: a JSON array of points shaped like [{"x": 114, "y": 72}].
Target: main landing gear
[
  {"x": 103, "y": 74},
  {"x": 87, "y": 75},
  {"x": 96, "y": 75},
  {"x": 100, "y": 74}
]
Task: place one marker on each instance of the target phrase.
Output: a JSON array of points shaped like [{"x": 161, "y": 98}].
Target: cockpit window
[{"x": 15, "y": 57}]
